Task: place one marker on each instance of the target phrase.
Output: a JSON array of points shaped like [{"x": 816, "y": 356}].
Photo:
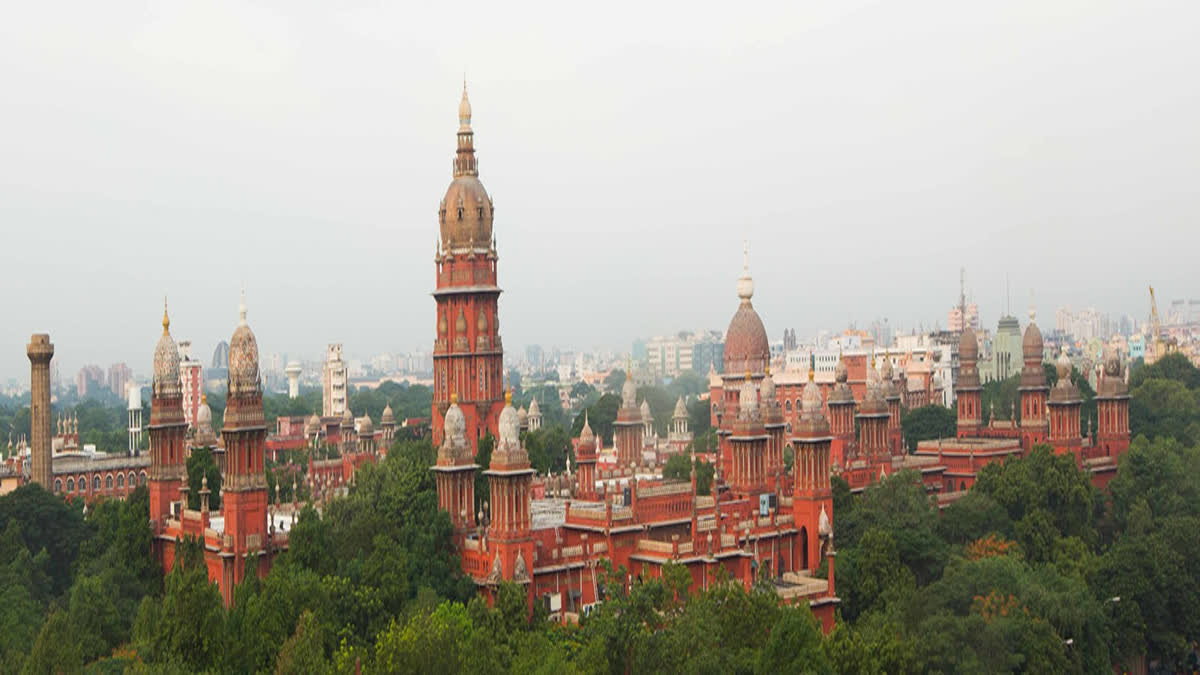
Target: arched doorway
[{"x": 803, "y": 549}]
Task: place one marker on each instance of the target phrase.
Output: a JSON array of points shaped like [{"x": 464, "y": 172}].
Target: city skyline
[{"x": 316, "y": 187}]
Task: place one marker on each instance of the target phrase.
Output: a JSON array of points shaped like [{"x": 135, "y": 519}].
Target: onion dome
[
  {"x": 454, "y": 449},
  {"x": 1065, "y": 391},
  {"x": 1112, "y": 385},
  {"x": 312, "y": 425},
  {"x": 968, "y": 346},
  {"x": 841, "y": 389},
  {"x": 824, "y": 527},
  {"x": 1031, "y": 344},
  {"x": 508, "y": 453},
  {"x": 204, "y": 436},
  {"x": 389, "y": 417},
  {"x": 522, "y": 417},
  {"x": 768, "y": 388},
  {"x": 465, "y": 214},
  {"x": 365, "y": 426},
  {"x": 885, "y": 371},
  {"x": 811, "y": 399},
  {"x": 748, "y": 400},
  {"x": 645, "y": 410},
  {"x": 243, "y": 356},
  {"x": 1033, "y": 375},
  {"x": 746, "y": 344},
  {"x": 873, "y": 402},
  {"x": 347, "y": 419},
  {"x": 166, "y": 361},
  {"x": 534, "y": 410},
  {"x": 1063, "y": 366},
  {"x": 586, "y": 435},
  {"x": 629, "y": 393},
  {"x": 680, "y": 409}
]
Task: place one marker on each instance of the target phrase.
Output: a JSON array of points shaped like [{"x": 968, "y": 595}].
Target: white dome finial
[
  {"x": 1032, "y": 309},
  {"x": 745, "y": 284},
  {"x": 242, "y": 308}
]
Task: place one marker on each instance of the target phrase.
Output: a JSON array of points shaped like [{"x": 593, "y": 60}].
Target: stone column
[{"x": 40, "y": 351}]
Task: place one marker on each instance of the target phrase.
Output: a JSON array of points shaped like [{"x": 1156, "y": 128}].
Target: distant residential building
[
  {"x": 955, "y": 318},
  {"x": 89, "y": 380},
  {"x": 119, "y": 375},
  {"x": 191, "y": 377},
  {"x": 334, "y": 381}
]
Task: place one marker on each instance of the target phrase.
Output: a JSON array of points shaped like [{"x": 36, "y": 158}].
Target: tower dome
[
  {"x": 243, "y": 355},
  {"x": 1031, "y": 344},
  {"x": 680, "y": 409},
  {"x": 746, "y": 344},
  {"x": 747, "y": 399},
  {"x": 534, "y": 409},
  {"x": 454, "y": 447},
  {"x": 1063, "y": 366},
  {"x": 968, "y": 346},
  {"x": 312, "y": 425},
  {"x": 389, "y": 417},
  {"x": 811, "y": 398},
  {"x": 508, "y": 453},
  {"x": 465, "y": 214},
  {"x": 586, "y": 435},
  {"x": 365, "y": 426},
  {"x": 166, "y": 361},
  {"x": 1112, "y": 362},
  {"x": 645, "y": 410},
  {"x": 629, "y": 392},
  {"x": 768, "y": 388},
  {"x": 841, "y": 389}
]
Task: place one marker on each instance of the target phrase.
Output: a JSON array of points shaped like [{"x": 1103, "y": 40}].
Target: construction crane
[{"x": 1155, "y": 348}]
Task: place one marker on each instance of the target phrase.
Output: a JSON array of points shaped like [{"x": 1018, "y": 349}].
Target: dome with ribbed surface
[
  {"x": 465, "y": 214},
  {"x": 365, "y": 426},
  {"x": 629, "y": 393},
  {"x": 968, "y": 346},
  {"x": 509, "y": 454},
  {"x": 680, "y": 409},
  {"x": 389, "y": 417},
  {"x": 454, "y": 449},
  {"x": 746, "y": 345},
  {"x": 243, "y": 356}
]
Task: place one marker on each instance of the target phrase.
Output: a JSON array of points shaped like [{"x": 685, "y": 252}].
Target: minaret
[
  {"x": 509, "y": 478},
  {"x": 1065, "y": 404},
  {"x": 841, "y": 415},
  {"x": 748, "y": 444},
  {"x": 455, "y": 470},
  {"x": 168, "y": 427},
  {"x": 1033, "y": 389},
  {"x": 244, "y": 485},
  {"x": 873, "y": 419},
  {"x": 1112, "y": 409},
  {"x": 813, "y": 464},
  {"x": 40, "y": 351},
  {"x": 585, "y": 457},
  {"x": 774, "y": 425},
  {"x": 467, "y": 352},
  {"x": 968, "y": 389},
  {"x": 892, "y": 396},
  {"x": 627, "y": 429}
]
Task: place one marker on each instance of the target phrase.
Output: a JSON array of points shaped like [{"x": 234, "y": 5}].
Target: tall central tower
[{"x": 468, "y": 359}]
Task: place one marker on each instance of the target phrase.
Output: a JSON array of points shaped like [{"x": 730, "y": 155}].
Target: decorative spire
[
  {"x": 745, "y": 284},
  {"x": 464, "y": 159},
  {"x": 812, "y": 367},
  {"x": 242, "y": 308},
  {"x": 166, "y": 319}
]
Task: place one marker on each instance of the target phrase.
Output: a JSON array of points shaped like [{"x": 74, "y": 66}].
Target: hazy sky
[{"x": 866, "y": 150}]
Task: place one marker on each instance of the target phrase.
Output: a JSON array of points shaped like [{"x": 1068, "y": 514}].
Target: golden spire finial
[
  {"x": 812, "y": 367},
  {"x": 453, "y": 398},
  {"x": 166, "y": 319},
  {"x": 508, "y": 397}
]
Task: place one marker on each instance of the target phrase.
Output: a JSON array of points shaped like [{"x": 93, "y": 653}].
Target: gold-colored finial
[
  {"x": 454, "y": 398},
  {"x": 508, "y": 397},
  {"x": 166, "y": 319}
]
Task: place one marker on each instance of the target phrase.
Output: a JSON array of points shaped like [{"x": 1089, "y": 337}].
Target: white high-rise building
[{"x": 334, "y": 382}]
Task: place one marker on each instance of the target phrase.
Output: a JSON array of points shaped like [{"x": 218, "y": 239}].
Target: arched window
[
  {"x": 96, "y": 483},
  {"x": 120, "y": 480},
  {"x": 787, "y": 405},
  {"x": 58, "y": 485},
  {"x": 142, "y": 478},
  {"x": 70, "y": 485},
  {"x": 132, "y": 479},
  {"x": 108, "y": 483}
]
